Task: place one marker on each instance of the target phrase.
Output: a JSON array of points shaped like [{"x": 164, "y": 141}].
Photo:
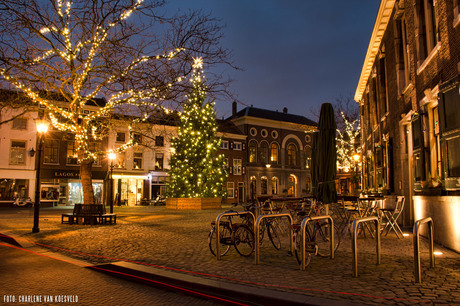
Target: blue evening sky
[{"x": 295, "y": 53}]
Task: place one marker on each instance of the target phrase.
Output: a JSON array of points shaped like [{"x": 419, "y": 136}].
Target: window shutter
[
  {"x": 231, "y": 170},
  {"x": 231, "y": 145},
  {"x": 244, "y": 170},
  {"x": 243, "y": 146}
]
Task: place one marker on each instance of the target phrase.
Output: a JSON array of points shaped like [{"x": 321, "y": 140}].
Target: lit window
[
  {"x": 159, "y": 161},
  {"x": 18, "y": 152},
  {"x": 237, "y": 167},
  {"x": 252, "y": 152},
  {"x": 137, "y": 160},
  {"x": 274, "y": 185},
  {"x": 95, "y": 147},
  {"x": 274, "y": 153}
]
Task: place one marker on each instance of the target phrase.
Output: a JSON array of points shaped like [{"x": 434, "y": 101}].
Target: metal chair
[{"x": 391, "y": 215}]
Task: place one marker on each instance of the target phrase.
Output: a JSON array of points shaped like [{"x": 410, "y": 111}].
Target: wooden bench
[{"x": 89, "y": 214}]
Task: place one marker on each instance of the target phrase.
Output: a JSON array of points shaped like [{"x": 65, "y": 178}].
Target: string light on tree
[{"x": 197, "y": 170}]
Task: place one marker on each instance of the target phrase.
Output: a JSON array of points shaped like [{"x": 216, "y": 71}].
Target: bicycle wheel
[
  {"x": 273, "y": 235},
  {"x": 309, "y": 247},
  {"x": 244, "y": 240},
  {"x": 225, "y": 240},
  {"x": 321, "y": 238}
]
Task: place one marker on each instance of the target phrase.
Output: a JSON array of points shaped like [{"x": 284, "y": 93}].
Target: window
[
  {"x": 402, "y": 55},
  {"x": 20, "y": 123},
  {"x": 263, "y": 153},
  {"x": 274, "y": 185},
  {"x": 224, "y": 144},
  {"x": 307, "y": 138},
  {"x": 427, "y": 28},
  {"x": 120, "y": 161},
  {"x": 95, "y": 147},
  {"x": 453, "y": 160},
  {"x": 253, "y": 131},
  {"x": 291, "y": 155},
  {"x": 275, "y": 134},
  {"x": 237, "y": 166},
  {"x": 137, "y": 138},
  {"x": 72, "y": 155},
  {"x": 252, "y": 151},
  {"x": 18, "y": 152},
  {"x": 263, "y": 185},
  {"x": 274, "y": 153},
  {"x": 307, "y": 152},
  {"x": 264, "y": 133},
  {"x": 292, "y": 186},
  {"x": 137, "y": 160},
  {"x": 308, "y": 185},
  {"x": 436, "y": 140},
  {"x": 121, "y": 137},
  {"x": 237, "y": 146},
  {"x": 159, "y": 141},
  {"x": 456, "y": 13},
  {"x": 252, "y": 187},
  {"x": 158, "y": 161},
  {"x": 230, "y": 189},
  {"x": 51, "y": 151}
]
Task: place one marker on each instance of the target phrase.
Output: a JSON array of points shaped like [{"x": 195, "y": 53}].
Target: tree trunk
[{"x": 86, "y": 166}]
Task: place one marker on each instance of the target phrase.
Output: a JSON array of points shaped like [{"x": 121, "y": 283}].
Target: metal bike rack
[
  {"x": 303, "y": 227},
  {"x": 234, "y": 213},
  {"x": 257, "y": 230},
  {"x": 418, "y": 223},
  {"x": 354, "y": 244}
]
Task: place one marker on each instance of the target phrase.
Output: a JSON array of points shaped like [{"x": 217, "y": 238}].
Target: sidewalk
[{"x": 178, "y": 239}]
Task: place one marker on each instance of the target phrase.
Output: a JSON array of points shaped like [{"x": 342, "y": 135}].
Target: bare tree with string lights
[{"x": 64, "y": 54}]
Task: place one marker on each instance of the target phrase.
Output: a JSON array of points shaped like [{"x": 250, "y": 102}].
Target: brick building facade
[{"x": 408, "y": 93}]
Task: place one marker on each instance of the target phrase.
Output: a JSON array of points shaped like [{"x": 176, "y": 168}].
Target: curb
[{"x": 224, "y": 291}]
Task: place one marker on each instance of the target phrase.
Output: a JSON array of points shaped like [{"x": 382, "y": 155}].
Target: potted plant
[{"x": 432, "y": 186}]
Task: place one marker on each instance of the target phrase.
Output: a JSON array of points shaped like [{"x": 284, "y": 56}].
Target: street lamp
[
  {"x": 112, "y": 156},
  {"x": 42, "y": 128}
]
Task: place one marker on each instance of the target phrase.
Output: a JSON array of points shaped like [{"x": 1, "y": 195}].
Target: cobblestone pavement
[
  {"x": 178, "y": 239},
  {"x": 29, "y": 278}
]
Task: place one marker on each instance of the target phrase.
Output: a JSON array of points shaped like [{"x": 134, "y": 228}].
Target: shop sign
[{"x": 68, "y": 174}]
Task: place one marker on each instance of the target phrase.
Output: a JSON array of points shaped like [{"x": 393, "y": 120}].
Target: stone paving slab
[{"x": 178, "y": 239}]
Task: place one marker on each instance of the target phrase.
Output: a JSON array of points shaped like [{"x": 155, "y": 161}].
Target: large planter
[{"x": 193, "y": 203}]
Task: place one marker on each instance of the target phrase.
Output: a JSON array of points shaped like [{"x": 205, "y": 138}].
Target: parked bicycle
[
  {"x": 317, "y": 239},
  {"x": 239, "y": 235},
  {"x": 270, "y": 226}
]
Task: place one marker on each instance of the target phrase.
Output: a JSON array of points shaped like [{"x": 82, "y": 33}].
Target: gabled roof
[{"x": 273, "y": 115}]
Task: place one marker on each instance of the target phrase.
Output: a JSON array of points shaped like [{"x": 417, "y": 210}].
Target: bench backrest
[{"x": 91, "y": 209}]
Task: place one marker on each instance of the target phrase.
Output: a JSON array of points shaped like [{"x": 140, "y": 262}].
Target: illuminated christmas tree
[
  {"x": 347, "y": 145},
  {"x": 197, "y": 170}
]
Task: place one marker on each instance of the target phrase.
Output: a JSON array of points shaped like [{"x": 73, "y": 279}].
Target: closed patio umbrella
[
  {"x": 314, "y": 164},
  {"x": 327, "y": 155}
]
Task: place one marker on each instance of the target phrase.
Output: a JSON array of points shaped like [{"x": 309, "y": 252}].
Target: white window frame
[
  {"x": 237, "y": 166},
  {"x": 237, "y": 145},
  {"x": 18, "y": 153},
  {"x": 224, "y": 145},
  {"x": 230, "y": 190}
]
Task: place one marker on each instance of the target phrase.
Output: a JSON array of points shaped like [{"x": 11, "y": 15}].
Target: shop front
[
  {"x": 64, "y": 188},
  {"x": 130, "y": 189}
]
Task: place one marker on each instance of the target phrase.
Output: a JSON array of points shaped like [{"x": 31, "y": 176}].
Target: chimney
[
  {"x": 285, "y": 110},
  {"x": 234, "y": 108}
]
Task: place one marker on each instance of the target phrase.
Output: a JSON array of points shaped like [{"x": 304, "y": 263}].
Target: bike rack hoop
[
  {"x": 354, "y": 243},
  {"x": 257, "y": 231},
  {"x": 303, "y": 227},
  {"x": 227, "y": 214},
  {"x": 418, "y": 223}
]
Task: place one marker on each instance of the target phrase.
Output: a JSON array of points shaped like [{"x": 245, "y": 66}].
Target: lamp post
[
  {"x": 42, "y": 128},
  {"x": 112, "y": 157},
  {"x": 356, "y": 158}
]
